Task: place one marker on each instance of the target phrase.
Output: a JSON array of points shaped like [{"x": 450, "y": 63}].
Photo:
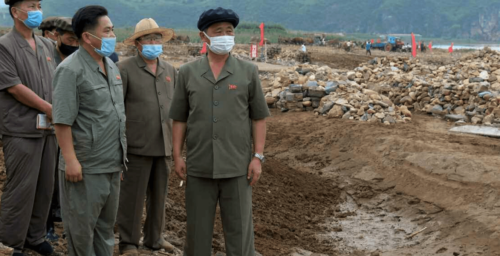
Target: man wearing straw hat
[{"x": 148, "y": 87}]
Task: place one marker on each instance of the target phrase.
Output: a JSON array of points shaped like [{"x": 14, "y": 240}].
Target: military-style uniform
[
  {"x": 219, "y": 116},
  {"x": 92, "y": 104},
  {"x": 149, "y": 136},
  {"x": 30, "y": 154}
]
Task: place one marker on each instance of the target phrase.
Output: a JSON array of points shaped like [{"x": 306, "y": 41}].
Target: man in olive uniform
[
  {"x": 66, "y": 44},
  {"x": 89, "y": 118},
  {"x": 48, "y": 28},
  {"x": 148, "y": 87},
  {"x": 26, "y": 72},
  {"x": 219, "y": 101}
]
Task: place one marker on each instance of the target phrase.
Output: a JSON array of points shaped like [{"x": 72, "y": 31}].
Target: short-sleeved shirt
[
  {"x": 19, "y": 64},
  {"x": 92, "y": 104},
  {"x": 148, "y": 98},
  {"x": 219, "y": 116}
]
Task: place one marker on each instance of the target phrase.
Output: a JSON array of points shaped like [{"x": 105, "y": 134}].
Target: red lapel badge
[
  {"x": 168, "y": 79},
  {"x": 49, "y": 59},
  {"x": 232, "y": 87},
  {"x": 118, "y": 77}
]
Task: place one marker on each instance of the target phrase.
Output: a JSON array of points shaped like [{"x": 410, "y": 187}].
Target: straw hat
[{"x": 146, "y": 27}]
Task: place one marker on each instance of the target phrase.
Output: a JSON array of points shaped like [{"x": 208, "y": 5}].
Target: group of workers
[{"x": 115, "y": 130}]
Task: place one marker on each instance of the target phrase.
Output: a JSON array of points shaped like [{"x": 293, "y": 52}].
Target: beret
[
  {"x": 11, "y": 2},
  {"x": 212, "y": 16},
  {"x": 48, "y": 23},
  {"x": 64, "y": 23}
]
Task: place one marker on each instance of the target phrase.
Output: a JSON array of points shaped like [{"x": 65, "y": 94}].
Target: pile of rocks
[
  {"x": 387, "y": 89},
  {"x": 464, "y": 91},
  {"x": 331, "y": 93}
]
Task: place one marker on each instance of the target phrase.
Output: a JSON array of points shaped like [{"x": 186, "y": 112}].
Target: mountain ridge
[{"x": 466, "y": 19}]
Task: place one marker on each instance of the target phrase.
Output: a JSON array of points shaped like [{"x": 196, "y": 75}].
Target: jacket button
[
  {"x": 161, "y": 106},
  {"x": 215, "y": 137},
  {"x": 215, "y": 120},
  {"x": 159, "y": 93},
  {"x": 216, "y": 103},
  {"x": 216, "y": 87}
]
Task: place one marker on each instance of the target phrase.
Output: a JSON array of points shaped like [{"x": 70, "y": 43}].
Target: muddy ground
[{"x": 339, "y": 187}]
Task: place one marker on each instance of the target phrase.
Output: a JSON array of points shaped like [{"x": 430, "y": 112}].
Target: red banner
[
  {"x": 261, "y": 34},
  {"x": 413, "y": 46},
  {"x": 450, "y": 50},
  {"x": 204, "y": 49},
  {"x": 373, "y": 41}
]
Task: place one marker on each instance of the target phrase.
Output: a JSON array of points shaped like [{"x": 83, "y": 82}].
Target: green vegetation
[{"x": 466, "y": 19}]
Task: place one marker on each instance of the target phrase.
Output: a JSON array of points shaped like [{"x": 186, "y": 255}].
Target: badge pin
[
  {"x": 118, "y": 77},
  {"x": 232, "y": 87},
  {"x": 49, "y": 59},
  {"x": 168, "y": 79}
]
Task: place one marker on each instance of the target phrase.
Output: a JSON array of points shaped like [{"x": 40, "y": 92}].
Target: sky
[{"x": 2, "y": 4}]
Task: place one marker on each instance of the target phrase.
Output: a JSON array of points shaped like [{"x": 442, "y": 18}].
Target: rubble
[{"x": 388, "y": 89}]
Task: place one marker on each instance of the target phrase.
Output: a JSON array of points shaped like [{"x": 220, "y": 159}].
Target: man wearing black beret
[{"x": 219, "y": 101}]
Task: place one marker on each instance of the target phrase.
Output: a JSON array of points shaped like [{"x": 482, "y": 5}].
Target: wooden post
[{"x": 265, "y": 51}]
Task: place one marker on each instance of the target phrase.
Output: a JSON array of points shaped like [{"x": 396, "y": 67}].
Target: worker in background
[
  {"x": 89, "y": 117},
  {"x": 148, "y": 88},
  {"x": 368, "y": 48},
  {"x": 48, "y": 28},
  {"x": 66, "y": 44},
  {"x": 349, "y": 44},
  {"x": 303, "y": 48},
  {"x": 30, "y": 148}
]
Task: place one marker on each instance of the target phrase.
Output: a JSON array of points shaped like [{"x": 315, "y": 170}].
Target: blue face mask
[
  {"x": 107, "y": 46},
  {"x": 151, "y": 51},
  {"x": 34, "y": 19}
]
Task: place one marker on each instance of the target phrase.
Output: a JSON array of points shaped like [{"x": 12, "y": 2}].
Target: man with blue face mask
[
  {"x": 26, "y": 71},
  {"x": 148, "y": 87},
  {"x": 89, "y": 118},
  {"x": 219, "y": 100}
]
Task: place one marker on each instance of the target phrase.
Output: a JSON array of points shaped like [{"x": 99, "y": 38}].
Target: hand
[
  {"x": 121, "y": 176},
  {"x": 73, "y": 171},
  {"x": 180, "y": 168},
  {"x": 254, "y": 171}
]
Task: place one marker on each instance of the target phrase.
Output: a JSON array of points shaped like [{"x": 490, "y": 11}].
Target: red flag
[
  {"x": 413, "y": 46},
  {"x": 450, "y": 50},
  {"x": 430, "y": 46},
  {"x": 261, "y": 34},
  {"x": 373, "y": 41},
  {"x": 204, "y": 49}
]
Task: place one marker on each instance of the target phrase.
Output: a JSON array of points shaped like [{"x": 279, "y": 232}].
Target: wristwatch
[{"x": 260, "y": 157}]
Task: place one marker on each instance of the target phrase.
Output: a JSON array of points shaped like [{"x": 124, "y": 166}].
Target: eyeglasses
[{"x": 151, "y": 38}]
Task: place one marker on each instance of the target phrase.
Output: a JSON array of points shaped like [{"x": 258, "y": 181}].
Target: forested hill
[{"x": 477, "y": 19}]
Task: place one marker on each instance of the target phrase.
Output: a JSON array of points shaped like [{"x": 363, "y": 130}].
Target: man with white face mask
[
  {"x": 148, "y": 88},
  {"x": 219, "y": 100},
  {"x": 26, "y": 72},
  {"x": 89, "y": 118}
]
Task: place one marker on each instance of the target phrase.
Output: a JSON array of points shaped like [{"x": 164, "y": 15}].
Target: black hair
[
  {"x": 86, "y": 18},
  {"x": 11, "y": 4}
]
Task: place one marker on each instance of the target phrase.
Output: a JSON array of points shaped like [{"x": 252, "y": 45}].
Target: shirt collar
[
  {"x": 142, "y": 64},
  {"x": 91, "y": 62}
]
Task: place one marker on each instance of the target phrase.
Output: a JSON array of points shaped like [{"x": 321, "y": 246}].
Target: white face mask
[{"x": 221, "y": 45}]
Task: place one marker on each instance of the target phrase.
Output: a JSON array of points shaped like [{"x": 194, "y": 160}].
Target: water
[{"x": 495, "y": 47}]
